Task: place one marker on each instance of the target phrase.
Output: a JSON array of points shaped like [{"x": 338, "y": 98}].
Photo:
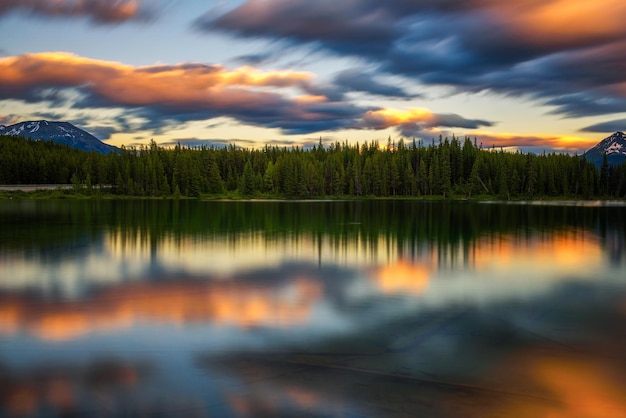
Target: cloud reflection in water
[{"x": 259, "y": 319}]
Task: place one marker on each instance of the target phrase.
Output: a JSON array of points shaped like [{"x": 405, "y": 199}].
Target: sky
[{"x": 533, "y": 75}]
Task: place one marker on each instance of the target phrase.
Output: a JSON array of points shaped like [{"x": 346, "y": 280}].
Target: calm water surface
[{"x": 350, "y": 309}]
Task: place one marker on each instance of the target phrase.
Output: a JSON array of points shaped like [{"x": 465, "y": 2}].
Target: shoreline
[
  {"x": 33, "y": 187},
  {"x": 69, "y": 192}
]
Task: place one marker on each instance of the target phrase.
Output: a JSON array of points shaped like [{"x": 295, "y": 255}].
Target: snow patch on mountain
[
  {"x": 33, "y": 126},
  {"x": 614, "y": 149},
  {"x": 613, "y": 146},
  {"x": 60, "y": 132}
]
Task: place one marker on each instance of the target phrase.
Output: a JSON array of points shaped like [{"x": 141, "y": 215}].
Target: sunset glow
[
  {"x": 548, "y": 77},
  {"x": 223, "y": 300}
]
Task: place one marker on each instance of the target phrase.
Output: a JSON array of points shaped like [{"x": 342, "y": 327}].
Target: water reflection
[
  {"x": 178, "y": 302},
  {"x": 249, "y": 309},
  {"x": 402, "y": 277},
  {"x": 63, "y": 389}
]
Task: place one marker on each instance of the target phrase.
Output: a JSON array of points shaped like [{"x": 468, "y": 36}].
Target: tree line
[{"x": 448, "y": 168}]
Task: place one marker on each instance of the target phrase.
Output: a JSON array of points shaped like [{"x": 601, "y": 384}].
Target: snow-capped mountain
[
  {"x": 615, "y": 148},
  {"x": 59, "y": 132}
]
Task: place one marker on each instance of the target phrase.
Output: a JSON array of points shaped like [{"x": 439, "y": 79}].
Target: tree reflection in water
[{"x": 383, "y": 308}]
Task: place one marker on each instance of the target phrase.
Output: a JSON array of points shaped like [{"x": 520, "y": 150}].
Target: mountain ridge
[
  {"x": 614, "y": 146},
  {"x": 58, "y": 132}
]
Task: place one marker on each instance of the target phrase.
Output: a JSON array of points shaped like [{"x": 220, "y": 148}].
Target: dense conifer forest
[{"x": 447, "y": 168}]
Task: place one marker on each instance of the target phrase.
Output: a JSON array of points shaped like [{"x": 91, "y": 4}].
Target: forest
[{"x": 445, "y": 168}]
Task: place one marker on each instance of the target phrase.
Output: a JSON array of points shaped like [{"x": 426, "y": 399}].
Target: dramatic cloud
[
  {"x": 355, "y": 80},
  {"x": 103, "y": 133},
  {"x": 99, "y": 11},
  {"x": 534, "y": 143},
  {"x": 414, "y": 122},
  {"x": 174, "y": 92},
  {"x": 611, "y": 126},
  {"x": 587, "y": 104},
  {"x": 166, "y": 95},
  {"x": 547, "y": 50},
  {"x": 335, "y": 24}
]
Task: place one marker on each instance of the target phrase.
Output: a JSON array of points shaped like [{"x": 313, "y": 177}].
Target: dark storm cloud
[
  {"x": 545, "y": 50},
  {"x": 587, "y": 104},
  {"x": 50, "y": 116},
  {"x": 356, "y": 80},
  {"x": 98, "y": 11},
  {"x": 610, "y": 126},
  {"x": 458, "y": 121},
  {"x": 254, "y": 59},
  {"x": 334, "y": 24},
  {"x": 103, "y": 133},
  {"x": 423, "y": 129}
]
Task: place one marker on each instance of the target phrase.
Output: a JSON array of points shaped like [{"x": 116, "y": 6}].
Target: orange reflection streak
[
  {"x": 569, "y": 249},
  {"x": 273, "y": 400},
  {"x": 586, "y": 388},
  {"x": 23, "y": 396},
  {"x": 60, "y": 394},
  {"x": 303, "y": 397},
  {"x": 573, "y": 387},
  {"x": 9, "y": 317},
  {"x": 402, "y": 277},
  {"x": 237, "y": 304},
  {"x": 21, "y": 400}
]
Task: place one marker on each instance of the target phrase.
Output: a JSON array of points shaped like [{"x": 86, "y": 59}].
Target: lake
[{"x": 312, "y": 309}]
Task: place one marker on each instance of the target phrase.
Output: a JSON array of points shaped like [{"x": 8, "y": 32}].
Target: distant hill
[
  {"x": 59, "y": 132},
  {"x": 615, "y": 148}
]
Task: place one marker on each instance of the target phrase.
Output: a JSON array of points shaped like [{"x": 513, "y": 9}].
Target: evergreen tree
[{"x": 440, "y": 169}]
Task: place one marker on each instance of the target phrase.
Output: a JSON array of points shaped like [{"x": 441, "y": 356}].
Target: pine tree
[{"x": 604, "y": 176}]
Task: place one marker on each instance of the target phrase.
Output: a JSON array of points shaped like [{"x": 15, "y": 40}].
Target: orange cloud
[
  {"x": 417, "y": 118},
  {"x": 542, "y": 141},
  {"x": 102, "y": 11},
  {"x": 127, "y": 85},
  {"x": 562, "y": 21},
  {"x": 165, "y": 94},
  {"x": 387, "y": 117}
]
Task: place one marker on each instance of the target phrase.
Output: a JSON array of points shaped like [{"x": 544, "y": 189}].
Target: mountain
[
  {"x": 59, "y": 132},
  {"x": 614, "y": 146}
]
